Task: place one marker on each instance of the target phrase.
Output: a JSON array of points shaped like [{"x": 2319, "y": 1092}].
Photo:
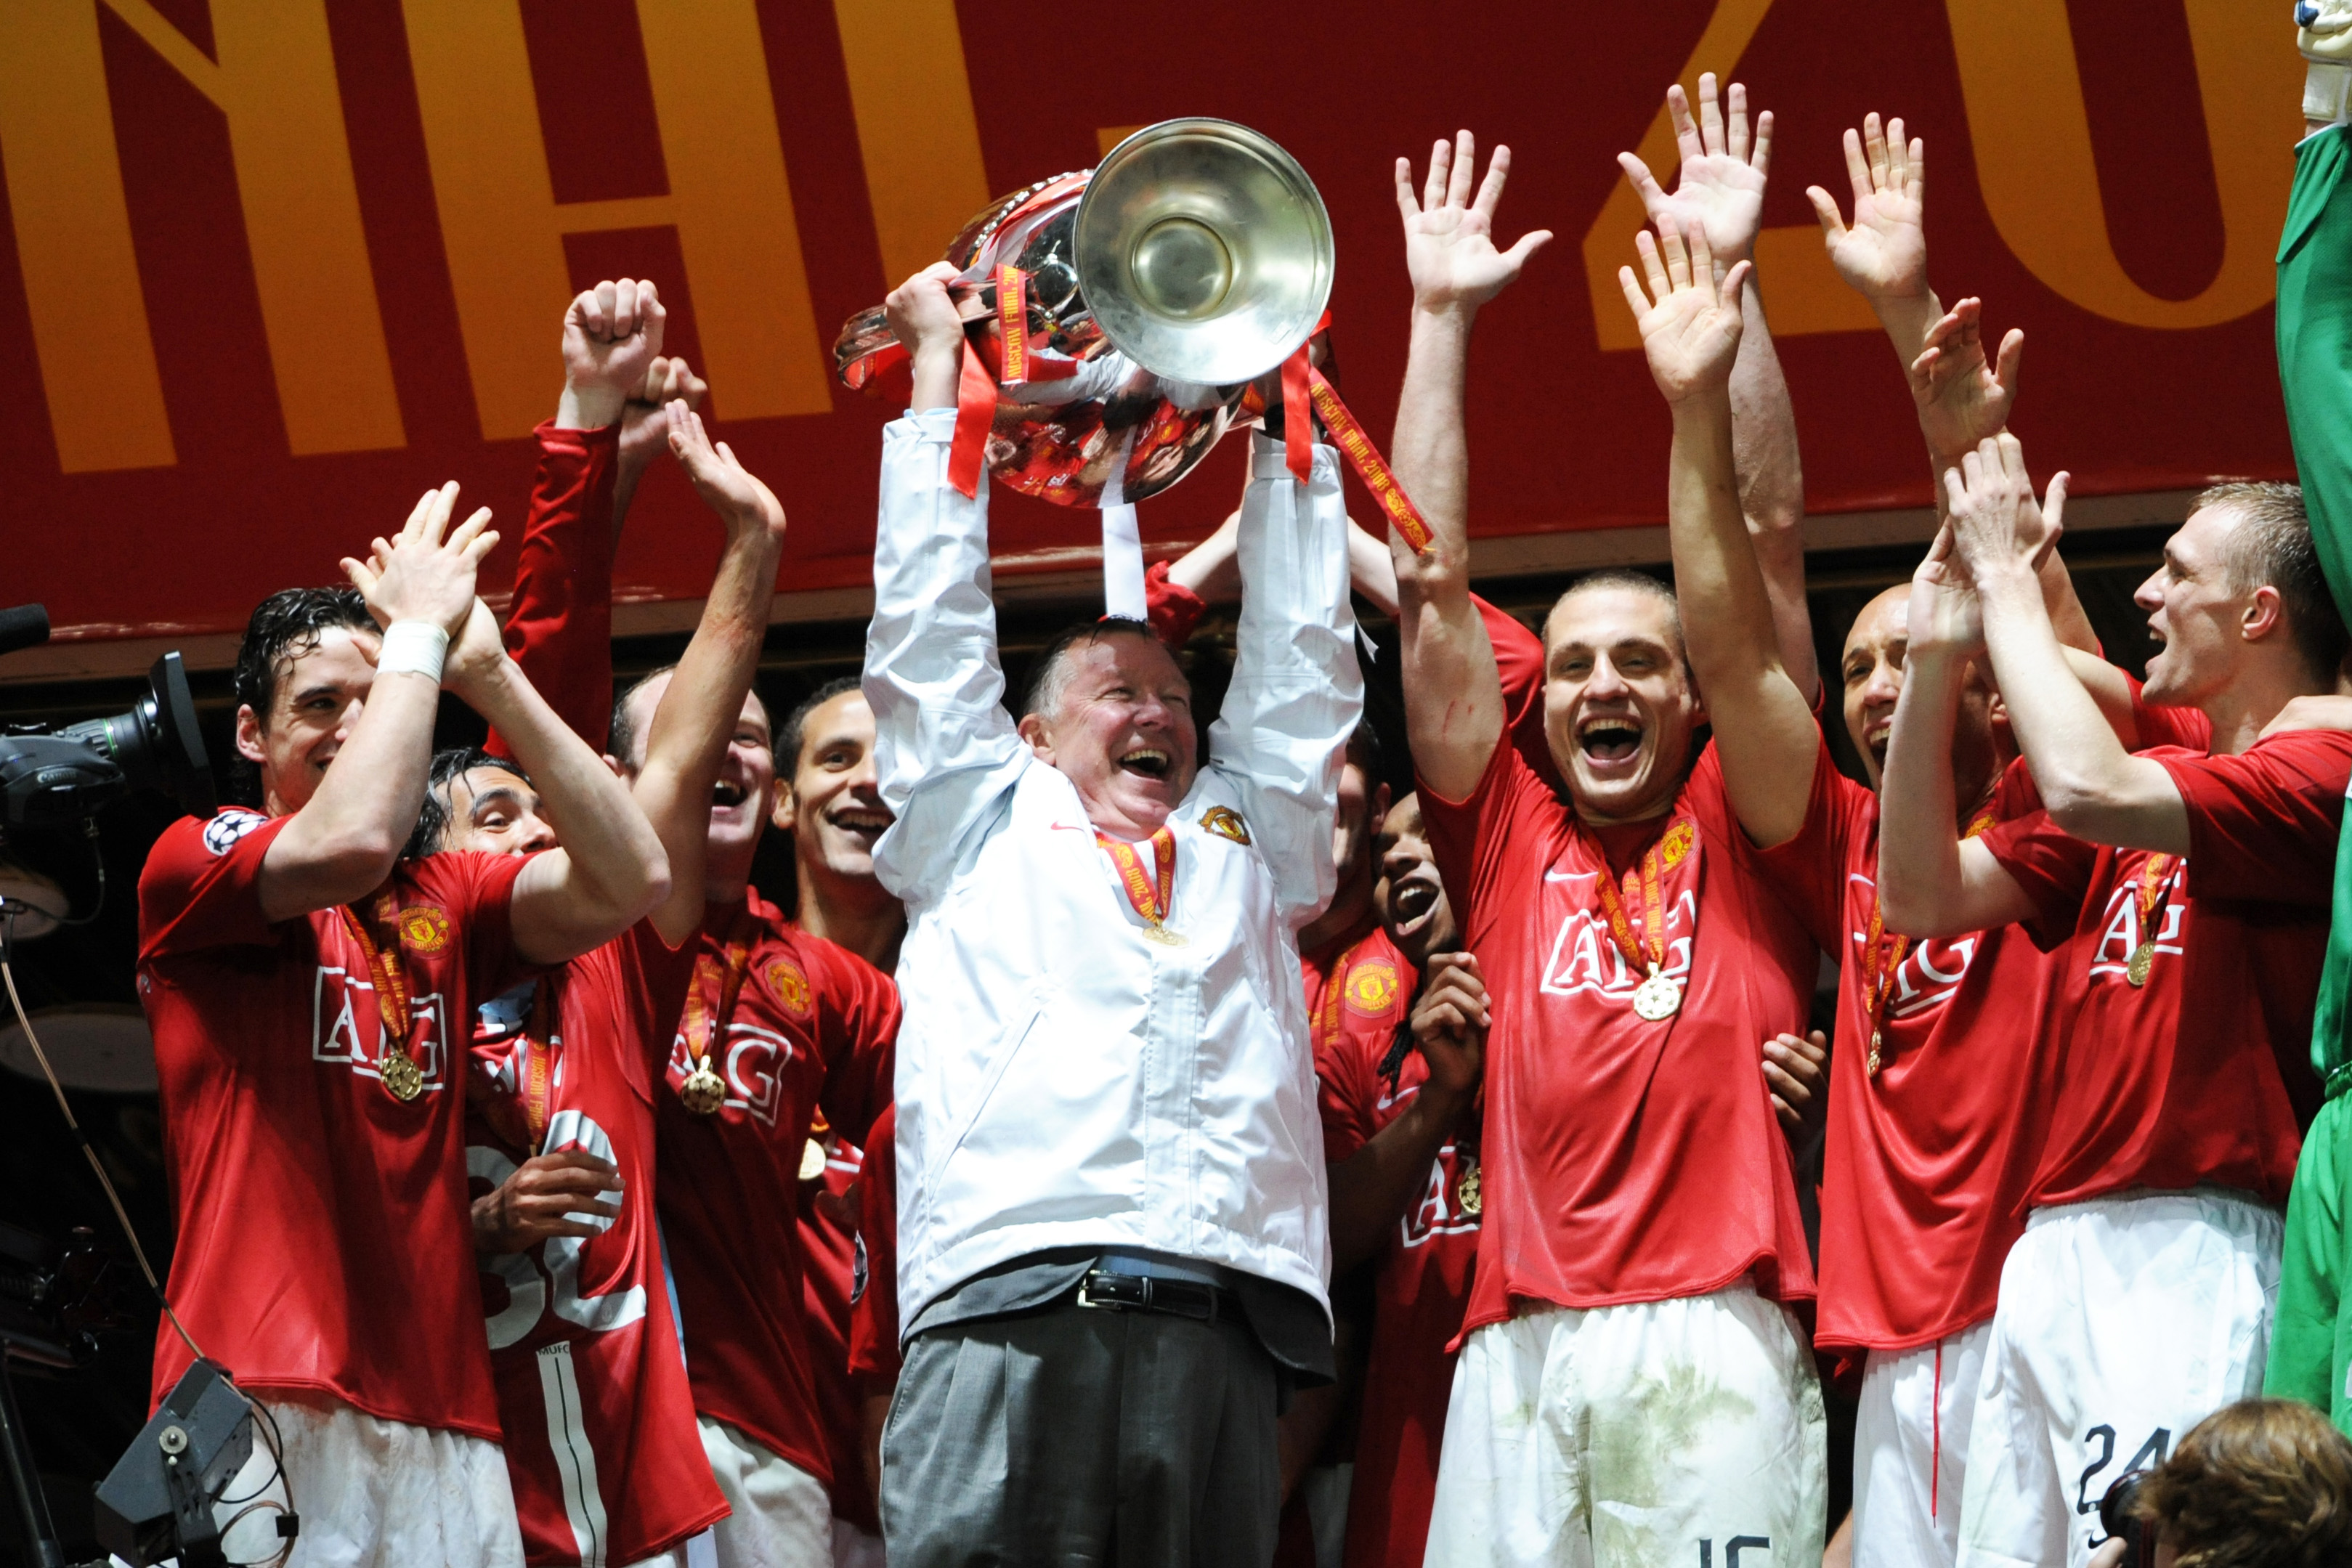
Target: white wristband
[{"x": 413, "y": 648}]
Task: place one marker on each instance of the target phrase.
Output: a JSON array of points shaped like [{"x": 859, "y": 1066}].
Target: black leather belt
[{"x": 1145, "y": 1293}]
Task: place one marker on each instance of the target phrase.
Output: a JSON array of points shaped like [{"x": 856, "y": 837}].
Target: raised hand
[
  {"x": 724, "y": 484},
  {"x": 1720, "y": 189},
  {"x": 426, "y": 572},
  {"x": 1945, "y": 616},
  {"x": 1962, "y": 401},
  {"x": 476, "y": 652},
  {"x": 541, "y": 1199},
  {"x": 1883, "y": 256},
  {"x": 645, "y": 418},
  {"x": 1450, "y": 1022},
  {"x": 1449, "y": 238},
  {"x": 611, "y": 334},
  {"x": 1689, "y": 322},
  {"x": 923, "y": 317},
  {"x": 1995, "y": 524}
]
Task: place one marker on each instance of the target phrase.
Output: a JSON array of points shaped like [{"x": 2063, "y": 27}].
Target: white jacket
[{"x": 1062, "y": 1080}]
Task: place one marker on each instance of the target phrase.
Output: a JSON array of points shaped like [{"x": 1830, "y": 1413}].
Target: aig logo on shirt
[
  {"x": 1585, "y": 958},
  {"x": 753, "y": 1065},
  {"x": 2123, "y": 933},
  {"x": 1440, "y": 1211},
  {"x": 346, "y": 1027}
]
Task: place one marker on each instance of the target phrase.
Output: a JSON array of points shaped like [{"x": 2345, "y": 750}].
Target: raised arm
[
  {"x": 1720, "y": 189},
  {"x": 1764, "y": 728},
  {"x": 945, "y": 749},
  {"x": 704, "y": 700},
  {"x": 343, "y": 842},
  {"x": 1453, "y": 698},
  {"x": 611, "y": 871},
  {"x": 1883, "y": 253},
  {"x": 2093, "y": 788},
  {"x": 1930, "y": 882}
]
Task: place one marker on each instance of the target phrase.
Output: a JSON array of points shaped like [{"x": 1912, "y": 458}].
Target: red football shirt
[
  {"x": 2177, "y": 1082},
  {"x": 559, "y": 627},
  {"x": 829, "y": 1226},
  {"x": 1421, "y": 1285},
  {"x": 324, "y": 1240},
  {"x": 1625, "y": 1161},
  {"x": 1927, "y": 1164},
  {"x": 874, "y": 1360},
  {"x": 814, "y": 1025},
  {"x": 601, "y": 1442}
]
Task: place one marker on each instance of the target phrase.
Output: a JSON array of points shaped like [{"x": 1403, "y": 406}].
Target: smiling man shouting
[{"x": 1112, "y": 1237}]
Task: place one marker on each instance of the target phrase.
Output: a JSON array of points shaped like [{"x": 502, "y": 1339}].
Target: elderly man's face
[{"x": 1121, "y": 731}]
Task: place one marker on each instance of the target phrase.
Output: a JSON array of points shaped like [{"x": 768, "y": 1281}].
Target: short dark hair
[
  {"x": 1364, "y": 750},
  {"x": 1624, "y": 578},
  {"x": 2271, "y": 546},
  {"x": 283, "y": 627},
  {"x": 795, "y": 731},
  {"x": 1047, "y": 677},
  {"x": 2263, "y": 1483},
  {"x": 623, "y": 741},
  {"x": 432, "y": 833}
]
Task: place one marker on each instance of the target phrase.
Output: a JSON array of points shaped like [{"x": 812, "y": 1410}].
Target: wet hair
[
  {"x": 2271, "y": 546},
  {"x": 2263, "y": 1483},
  {"x": 439, "y": 811},
  {"x": 1049, "y": 672},
  {"x": 284, "y": 626},
  {"x": 1629, "y": 580},
  {"x": 623, "y": 741},
  {"x": 795, "y": 731}
]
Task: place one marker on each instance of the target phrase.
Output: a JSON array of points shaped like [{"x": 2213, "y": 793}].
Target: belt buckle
[{"x": 1087, "y": 1298}]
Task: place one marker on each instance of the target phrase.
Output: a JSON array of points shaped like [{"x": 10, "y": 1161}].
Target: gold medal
[
  {"x": 2143, "y": 959},
  {"x": 1876, "y": 1041},
  {"x": 703, "y": 1092},
  {"x": 1165, "y": 937},
  {"x": 812, "y": 1161},
  {"x": 402, "y": 1078},
  {"x": 1469, "y": 1193},
  {"x": 1657, "y": 998}
]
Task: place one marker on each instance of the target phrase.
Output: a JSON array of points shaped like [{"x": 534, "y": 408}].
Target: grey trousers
[{"x": 1073, "y": 1437}]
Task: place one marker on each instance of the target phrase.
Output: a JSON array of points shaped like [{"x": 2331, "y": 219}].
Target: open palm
[
  {"x": 1962, "y": 399},
  {"x": 1720, "y": 187},
  {"x": 1883, "y": 253},
  {"x": 1449, "y": 238},
  {"x": 1689, "y": 323},
  {"x": 1946, "y": 615}
]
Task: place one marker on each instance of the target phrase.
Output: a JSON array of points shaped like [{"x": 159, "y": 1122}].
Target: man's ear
[
  {"x": 787, "y": 810},
  {"x": 1032, "y": 730},
  {"x": 1381, "y": 803},
  {"x": 2264, "y": 615},
  {"x": 248, "y": 734}
]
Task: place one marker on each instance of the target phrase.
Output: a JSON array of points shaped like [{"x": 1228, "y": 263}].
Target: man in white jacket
[{"x": 1112, "y": 1249}]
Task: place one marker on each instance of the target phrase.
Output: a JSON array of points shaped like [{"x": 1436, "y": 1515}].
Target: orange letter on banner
[
  {"x": 729, "y": 199},
  {"x": 274, "y": 83},
  {"x": 1793, "y": 267},
  {"x": 2041, "y": 184},
  {"x": 916, "y": 130}
]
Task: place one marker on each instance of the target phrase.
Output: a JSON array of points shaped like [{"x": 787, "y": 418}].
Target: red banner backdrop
[{"x": 272, "y": 268}]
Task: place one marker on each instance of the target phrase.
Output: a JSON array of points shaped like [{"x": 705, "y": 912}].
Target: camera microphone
[{"x": 25, "y": 626}]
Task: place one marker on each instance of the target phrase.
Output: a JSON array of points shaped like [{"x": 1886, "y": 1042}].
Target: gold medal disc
[
  {"x": 812, "y": 1161},
  {"x": 1165, "y": 937},
  {"x": 402, "y": 1078},
  {"x": 2143, "y": 959},
  {"x": 1873, "y": 1065},
  {"x": 1469, "y": 1193},
  {"x": 703, "y": 1092},
  {"x": 1657, "y": 998}
]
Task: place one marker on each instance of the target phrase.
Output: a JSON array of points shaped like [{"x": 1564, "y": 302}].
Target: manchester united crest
[
  {"x": 1677, "y": 843},
  {"x": 1226, "y": 823},
  {"x": 791, "y": 987},
  {"x": 1373, "y": 989},
  {"x": 423, "y": 928}
]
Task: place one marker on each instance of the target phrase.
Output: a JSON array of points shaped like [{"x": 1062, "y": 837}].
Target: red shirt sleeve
[
  {"x": 874, "y": 1304},
  {"x": 1809, "y": 871},
  {"x": 658, "y": 975},
  {"x": 1475, "y": 840},
  {"x": 2051, "y": 866},
  {"x": 477, "y": 891},
  {"x": 202, "y": 884},
  {"x": 559, "y": 626},
  {"x": 1172, "y": 608},
  {"x": 2263, "y": 826},
  {"x": 1347, "y": 1093},
  {"x": 861, "y": 1039}
]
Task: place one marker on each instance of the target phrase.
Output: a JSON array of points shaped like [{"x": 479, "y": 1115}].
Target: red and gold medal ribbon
[
  {"x": 1012, "y": 321},
  {"x": 1646, "y": 950},
  {"x": 1298, "y": 419},
  {"x": 1150, "y": 899},
  {"x": 1370, "y": 465},
  {"x": 701, "y": 1024},
  {"x": 2154, "y": 892},
  {"x": 975, "y": 412},
  {"x": 538, "y": 1047},
  {"x": 384, "y": 970}
]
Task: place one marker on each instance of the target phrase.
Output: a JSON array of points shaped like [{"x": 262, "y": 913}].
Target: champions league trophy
[{"x": 1119, "y": 320}]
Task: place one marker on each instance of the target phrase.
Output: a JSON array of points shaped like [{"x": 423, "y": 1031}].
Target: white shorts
[
  {"x": 780, "y": 1516},
  {"x": 1660, "y": 1432},
  {"x": 373, "y": 1492},
  {"x": 1911, "y": 1451},
  {"x": 853, "y": 1548},
  {"x": 2122, "y": 1322}
]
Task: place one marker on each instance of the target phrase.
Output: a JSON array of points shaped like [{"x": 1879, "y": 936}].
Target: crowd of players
[{"x": 548, "y": 1185}]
